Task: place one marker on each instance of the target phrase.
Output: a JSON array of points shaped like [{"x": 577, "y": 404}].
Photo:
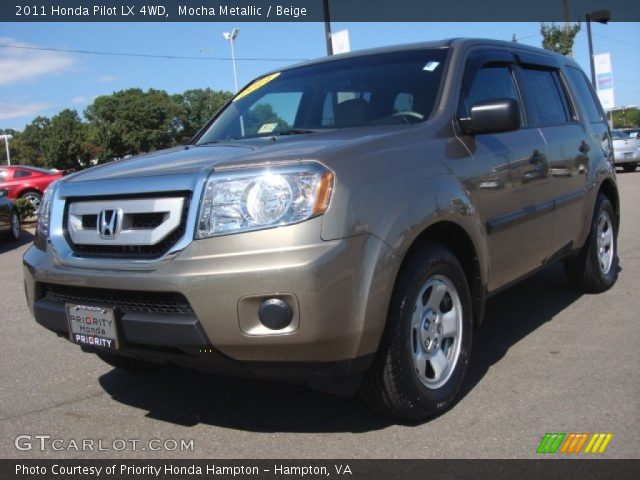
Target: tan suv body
[{"x": 340, "y": 222}]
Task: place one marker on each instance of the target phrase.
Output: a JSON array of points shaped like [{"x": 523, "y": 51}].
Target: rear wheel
[
  {"x": 629, "y": 167},
  {"x": 129, "y": 364},
  {"x": 425, "y": 350},
  {"x": 595, "y": 269}
]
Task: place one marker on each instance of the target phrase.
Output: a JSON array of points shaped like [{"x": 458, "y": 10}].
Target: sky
[{"x": 34, "y": 82}]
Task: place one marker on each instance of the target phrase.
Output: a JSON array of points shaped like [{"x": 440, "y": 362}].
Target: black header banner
[
  {"x": 585, "y": 469},
  {"x": 312, "y": 10}
]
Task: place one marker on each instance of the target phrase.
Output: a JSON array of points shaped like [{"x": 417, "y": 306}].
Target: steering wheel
[{"x": 415, "y": 116}]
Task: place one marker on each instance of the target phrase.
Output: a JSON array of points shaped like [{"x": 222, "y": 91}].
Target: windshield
[
  {"x": 388, "y": 88},
  {"x": 619, "y": 134}
]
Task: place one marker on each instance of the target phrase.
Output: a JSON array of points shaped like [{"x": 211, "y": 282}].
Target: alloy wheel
[{"x": 436, "y": 331}]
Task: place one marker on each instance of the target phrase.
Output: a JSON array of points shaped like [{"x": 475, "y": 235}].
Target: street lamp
[
  {"x": 231, "y": 37},
  {"x": 327, "y": 26},
  {"x": 6, "y": 146},
  {"x": 600, "y": 16}
]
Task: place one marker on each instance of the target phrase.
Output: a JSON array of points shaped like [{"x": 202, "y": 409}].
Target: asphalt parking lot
[{"x": 546, "y": 360}]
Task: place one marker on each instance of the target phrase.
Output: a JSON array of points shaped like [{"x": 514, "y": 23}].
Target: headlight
[
  {"x": 254, "y": 199},
  {"x": 44, "y": 216}
]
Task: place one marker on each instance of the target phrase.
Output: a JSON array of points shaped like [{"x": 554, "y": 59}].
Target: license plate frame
[{"x": 93, "y": 326}]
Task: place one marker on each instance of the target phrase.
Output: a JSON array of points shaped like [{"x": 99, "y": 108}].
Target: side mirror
[{"x": 492, "y": 116}]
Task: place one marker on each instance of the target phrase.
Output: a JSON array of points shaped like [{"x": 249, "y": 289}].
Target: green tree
[
  {"x": 30, "y": 144},
  {"x": 66, "y": 142},
  {"x": 559, "y": 39},
  {"x": 626, "y": 117},
  {"x": 198, "y": 107},
  {"x": 133, "y": 121}
]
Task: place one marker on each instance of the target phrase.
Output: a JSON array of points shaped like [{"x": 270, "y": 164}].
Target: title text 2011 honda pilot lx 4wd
[{"x": 339, "y": 223}]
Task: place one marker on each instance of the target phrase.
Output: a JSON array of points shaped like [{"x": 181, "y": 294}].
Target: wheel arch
[
  {"x": 455, "y": 237},
  {"x": 610, "y": 190},
  {"x": 27, "y": 189}
]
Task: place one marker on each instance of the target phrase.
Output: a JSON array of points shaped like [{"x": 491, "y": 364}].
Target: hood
[
  {"x": 626, "y": 143},
  {"x": 195, "y": 158}
]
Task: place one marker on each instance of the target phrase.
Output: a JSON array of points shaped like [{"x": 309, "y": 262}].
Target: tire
[
  {"x": 14, "y": 230},
  {"x": 128, "y": 364},
  {"x": 34, "y": 197},
  {"x": 400, "y": 384},
  {"x": 629, "y": 167},
  {"x": 594, "y": 269}
]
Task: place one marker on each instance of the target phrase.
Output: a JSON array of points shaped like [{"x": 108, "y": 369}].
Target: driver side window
[{"x": 492, "y": 81}]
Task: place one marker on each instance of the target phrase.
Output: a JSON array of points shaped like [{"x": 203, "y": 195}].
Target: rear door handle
[{"x": 560, "y": 172}]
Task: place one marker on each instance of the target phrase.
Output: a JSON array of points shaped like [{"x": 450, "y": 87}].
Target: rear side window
[
  {"x": 492, "y": 82},
  {"x": 587, "y": 95},
  {"x": 21, "y": 174},
  {"x": 546, "y": 96}
]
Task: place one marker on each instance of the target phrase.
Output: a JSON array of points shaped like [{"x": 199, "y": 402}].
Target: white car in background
[{"x": 626, "y": 150}]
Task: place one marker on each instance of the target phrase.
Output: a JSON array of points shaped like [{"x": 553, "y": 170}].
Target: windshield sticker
[
  {"x": 430, "y": 66},
  {"x": 267, "y": 128},
  {"x": 256, "y": 85}
]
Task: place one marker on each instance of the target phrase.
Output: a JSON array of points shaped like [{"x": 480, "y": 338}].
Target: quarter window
[
  {"x": 586, "y": 94},
  {"x": 546, "y": 96},
  {"x": 21, "y": 174}
]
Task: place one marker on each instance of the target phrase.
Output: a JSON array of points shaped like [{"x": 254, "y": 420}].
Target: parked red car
[{"x": 20, "y": 181}]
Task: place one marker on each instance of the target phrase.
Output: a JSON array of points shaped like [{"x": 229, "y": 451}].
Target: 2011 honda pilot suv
[{"x": 338, "y": 223}]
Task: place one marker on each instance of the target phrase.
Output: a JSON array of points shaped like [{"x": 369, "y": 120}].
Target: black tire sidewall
[
  {"x": 13, "y": 237},
  {"x": 608, "y": 279},
  {"x": 435, "y": 260}
]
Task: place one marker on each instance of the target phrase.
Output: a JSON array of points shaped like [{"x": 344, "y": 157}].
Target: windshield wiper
[
  {"x": 298, "y": 131},
  {"x": 227, "y": 143}
]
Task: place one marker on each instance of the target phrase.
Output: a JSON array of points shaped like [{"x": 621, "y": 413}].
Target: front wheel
[
  {"x": 629, "y": 167},
  {"x": 425, "y": 350},
  {"x": 595, "y": 268},
  {"x": 14, "y": 230}
]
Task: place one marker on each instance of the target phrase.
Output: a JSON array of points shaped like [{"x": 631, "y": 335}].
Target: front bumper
[{"x": 340, "y": 290}]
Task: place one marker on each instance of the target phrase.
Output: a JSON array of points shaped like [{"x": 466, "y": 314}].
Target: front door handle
[
  {"x": 561, "y": 172},
  {"x": 584, "y": 147}
]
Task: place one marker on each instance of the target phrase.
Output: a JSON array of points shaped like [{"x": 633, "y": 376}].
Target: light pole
[
  {"x": 600, "y": 16},
  {"x": 231, "y": 37},
  {"x": 327, "y": 26},
  {"x": 6, "y": 146}
]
